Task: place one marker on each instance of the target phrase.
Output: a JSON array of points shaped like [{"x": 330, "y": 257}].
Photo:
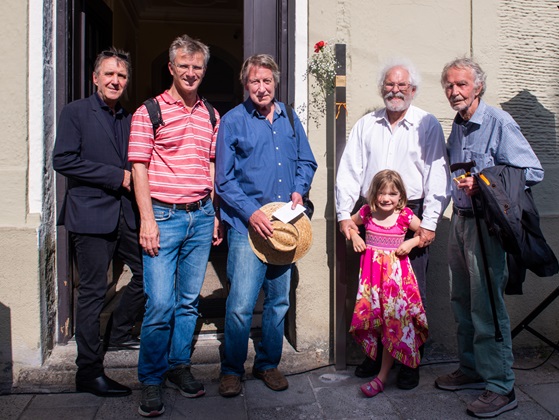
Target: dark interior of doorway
[
  {"x": 220, "y": 27},
  {"x": 233, "y": 29}
]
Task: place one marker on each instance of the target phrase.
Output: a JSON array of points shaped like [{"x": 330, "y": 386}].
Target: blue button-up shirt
[
  {"x": 491, "y": 137},
  {"x": 258, "y": 162}
]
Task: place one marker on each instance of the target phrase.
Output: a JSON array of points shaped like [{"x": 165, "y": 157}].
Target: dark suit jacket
[{"x": 87, "y": 153}]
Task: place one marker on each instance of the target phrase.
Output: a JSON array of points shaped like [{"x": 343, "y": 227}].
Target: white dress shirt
[{"x": 415, "y": 148}]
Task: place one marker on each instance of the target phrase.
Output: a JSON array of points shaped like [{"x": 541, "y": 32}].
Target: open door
[
  {"x": 233, "y": 29},
  {"x": 89, "y": 25}
]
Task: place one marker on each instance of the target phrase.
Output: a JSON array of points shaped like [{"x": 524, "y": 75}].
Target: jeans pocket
[
  {"x": 162, "y": 213},
  {"x": 208, "y": 209}
]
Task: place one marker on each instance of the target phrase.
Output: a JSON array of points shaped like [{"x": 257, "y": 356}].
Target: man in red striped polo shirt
[{"x": 173, "y": 171}]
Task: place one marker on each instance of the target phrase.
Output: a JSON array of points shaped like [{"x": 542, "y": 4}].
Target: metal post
[{"x": 340, "y": 328}]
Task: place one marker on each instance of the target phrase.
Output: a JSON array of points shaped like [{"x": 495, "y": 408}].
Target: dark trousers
[
  {"x": 93, "y": 256},
  {"x": 419, "y": 257},
  {"x": 132, "y": 302},
  {"x": 419, "y": 260}
]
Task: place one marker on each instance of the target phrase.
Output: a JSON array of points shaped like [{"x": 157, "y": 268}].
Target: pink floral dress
[{"x": 388, "y": 301}]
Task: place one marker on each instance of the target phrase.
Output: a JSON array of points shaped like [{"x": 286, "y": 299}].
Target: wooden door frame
[
  {"x": 74, "y": 65},
  {"x": 259, "y": 17}
]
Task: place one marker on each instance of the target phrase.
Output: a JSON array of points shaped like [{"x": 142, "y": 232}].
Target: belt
[
  {"x": 184, "y": 206},
  {"x": 462, "y": 212}
]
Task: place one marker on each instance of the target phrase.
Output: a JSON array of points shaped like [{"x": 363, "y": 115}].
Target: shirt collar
[
  {"x": 254, "y": 112},
  {"x": 105, "y": 107},
  {"x": 410, "y": 118},
  {"x": 477, "y": 118},
  {"x": 167, "y": 98}
]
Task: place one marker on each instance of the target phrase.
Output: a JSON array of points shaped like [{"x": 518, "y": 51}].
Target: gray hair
[
  {"x": 122, "y": 57},
  {"x": 259, "y": 60},
  {"x": 190, "y": 46},
  {"x": 466, "y": 64},
  {"x": 415, "y": 78}
]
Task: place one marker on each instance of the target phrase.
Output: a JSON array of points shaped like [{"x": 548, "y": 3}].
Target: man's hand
[
  {"x": 346, "y": 226},
  {"x": 469, "y": 185},
  {"x": 426, "y": 237},
  {"x": 219, "y": 232},
  {"x": 149, "y": 237},
  {"x": 261, "y": 224},
  {"x": 126, "y": 181},
  {"x": 296, "y": 198}
]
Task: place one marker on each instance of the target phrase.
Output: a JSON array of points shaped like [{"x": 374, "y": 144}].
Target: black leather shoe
[
  {"x": 408, "y": 378},
  {"x": 368, "y": 368},
  {"x": 102, "y": 386},
  {"x": 132, "y": 344}
]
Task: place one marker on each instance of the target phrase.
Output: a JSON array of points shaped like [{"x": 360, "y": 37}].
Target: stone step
[{"x": 58, "y": 373}]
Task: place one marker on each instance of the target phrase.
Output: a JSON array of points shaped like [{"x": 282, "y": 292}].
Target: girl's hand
[
  {"x": 406, "y": 247},
  {"x": 358, "y": 242}
]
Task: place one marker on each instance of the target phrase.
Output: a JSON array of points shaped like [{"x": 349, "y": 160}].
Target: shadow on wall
[
  {"x": 6, "y": 364},
  {"x": 537, "y": 124}
]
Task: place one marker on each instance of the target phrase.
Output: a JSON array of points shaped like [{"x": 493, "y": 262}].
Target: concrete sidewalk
[{"x": 320, "y": 394}]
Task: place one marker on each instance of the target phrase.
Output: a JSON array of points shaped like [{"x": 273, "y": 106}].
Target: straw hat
[{"x": 290, "y": 241}]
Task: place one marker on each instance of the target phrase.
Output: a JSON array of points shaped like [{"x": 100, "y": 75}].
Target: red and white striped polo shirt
[{"x": 179, "y": 156}]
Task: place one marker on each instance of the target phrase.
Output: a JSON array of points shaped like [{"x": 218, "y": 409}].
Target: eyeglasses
[
  {"x": 402, "y": 87},
  {"x": 183, "y": 68},
  {"x": 115, "y": 54}
]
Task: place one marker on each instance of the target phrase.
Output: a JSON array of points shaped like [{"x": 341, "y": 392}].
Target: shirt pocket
[
  {"x": 290, "y": 148},
  {"x": 483, "y": 160}
]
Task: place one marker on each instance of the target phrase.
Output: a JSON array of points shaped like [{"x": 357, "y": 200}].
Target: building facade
[{"x": 46, "y": 47}]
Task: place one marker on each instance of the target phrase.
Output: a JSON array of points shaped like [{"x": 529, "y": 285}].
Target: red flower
[{"x": 319, "y": 46}]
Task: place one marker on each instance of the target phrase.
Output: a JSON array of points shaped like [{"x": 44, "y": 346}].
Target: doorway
[{"x": 233, "y": 29}]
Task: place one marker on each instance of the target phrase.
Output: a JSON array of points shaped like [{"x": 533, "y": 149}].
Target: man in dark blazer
[{"x": 91, "y": 150}]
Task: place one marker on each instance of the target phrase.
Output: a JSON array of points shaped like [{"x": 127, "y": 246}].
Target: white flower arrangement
[{"x": 322, "y": 66}]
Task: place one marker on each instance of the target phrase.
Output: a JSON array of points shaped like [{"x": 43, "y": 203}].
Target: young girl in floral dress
[{"x": 388, "y": 303}]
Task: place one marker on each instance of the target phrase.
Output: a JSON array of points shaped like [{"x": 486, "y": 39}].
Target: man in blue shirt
[
  {"x": 260, "y": 158},
  {"x": 488, "y": 136}
]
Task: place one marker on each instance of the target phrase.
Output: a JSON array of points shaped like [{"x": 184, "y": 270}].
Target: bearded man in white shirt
[{"x": 410, "y": 141}]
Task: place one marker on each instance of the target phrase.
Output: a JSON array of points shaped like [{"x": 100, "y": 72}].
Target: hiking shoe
[
  {"x": 491, "y": 404},
  {"x": 368, "y": 368},
  {"x": 181, "y": 378},
  {"x": 230, "y": 386},
  {"x": 458, "y": 380},
  {"x": 408, "y": 378},
  {"x": 273, "y": 378},
  {"x": 151, "y": 404}
]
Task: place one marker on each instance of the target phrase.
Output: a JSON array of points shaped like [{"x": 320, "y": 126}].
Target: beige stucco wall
[
  {"x": 513, "y": 42},
  {"x": 20, "y": 320}
]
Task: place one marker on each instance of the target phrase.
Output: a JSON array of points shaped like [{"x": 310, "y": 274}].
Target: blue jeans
[
  {"x": 247, "y": 275},
  {"x": 479, "y": 353},
  {"x": 172, "y": 284}
]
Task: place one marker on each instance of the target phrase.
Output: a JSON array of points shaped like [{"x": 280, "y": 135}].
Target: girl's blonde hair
[{"x": 383, "y": 179}]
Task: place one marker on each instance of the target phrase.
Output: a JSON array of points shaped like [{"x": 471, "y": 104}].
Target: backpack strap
[
  {"x": 307, "y": 203},
  {"x": 154, "y": 111},
  {"x": 289, "y": 112},
  {"x": 211, "y": 111}
]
